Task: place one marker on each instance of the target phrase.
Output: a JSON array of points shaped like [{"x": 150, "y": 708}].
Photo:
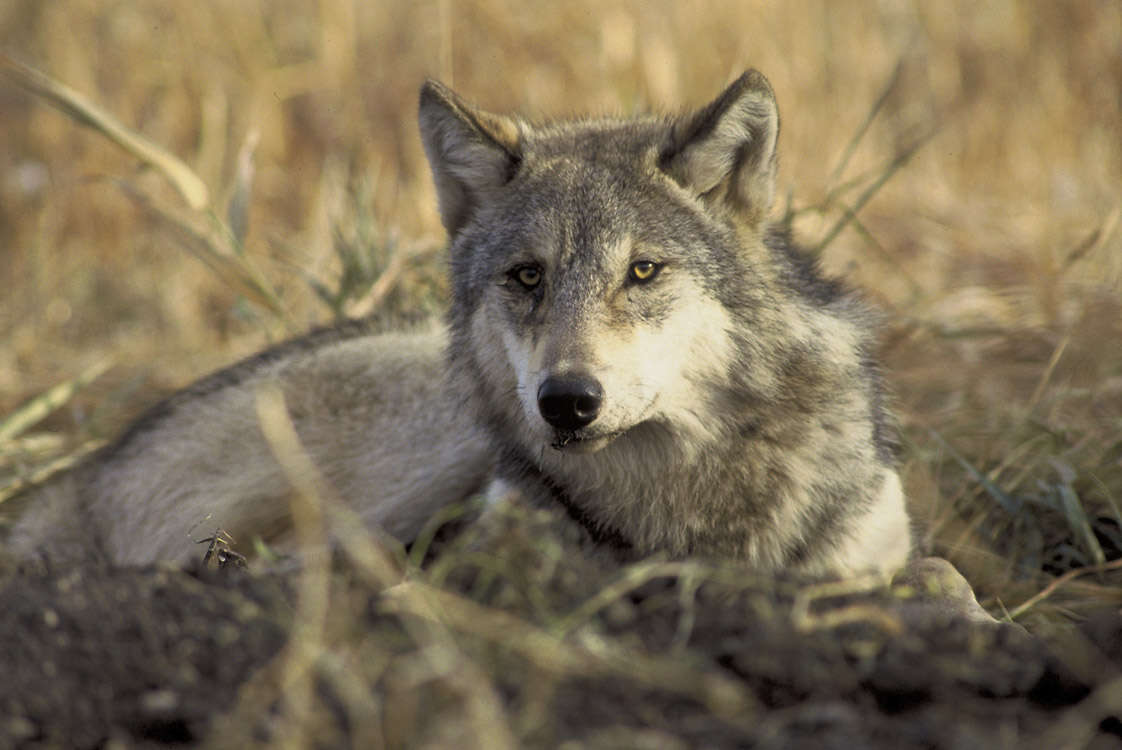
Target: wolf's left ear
[
  {"x": 726, "y": 150},
  {"x": 471, "y": 152}
]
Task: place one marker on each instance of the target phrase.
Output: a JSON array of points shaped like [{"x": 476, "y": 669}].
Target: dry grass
[{"x": 996, "y": 251}]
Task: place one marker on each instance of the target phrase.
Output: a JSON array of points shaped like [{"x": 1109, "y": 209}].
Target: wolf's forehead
[
  {"x": 579, "y": 208},
  {"x": 594, "y": 184},
  {"x": 600, "y": 140}
]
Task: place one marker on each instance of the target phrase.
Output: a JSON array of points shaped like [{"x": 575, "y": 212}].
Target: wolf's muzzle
[{"x": 569, "y": 402}]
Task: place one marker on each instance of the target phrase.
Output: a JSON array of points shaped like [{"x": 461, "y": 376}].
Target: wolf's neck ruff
[{"x": 516, "y": 465}]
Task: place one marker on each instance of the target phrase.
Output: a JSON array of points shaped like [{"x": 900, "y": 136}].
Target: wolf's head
[{"x": 597, "y": 264}]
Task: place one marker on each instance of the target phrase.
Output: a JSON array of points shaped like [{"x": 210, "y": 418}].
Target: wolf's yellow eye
[
  {"x": 528, "y": 276},
  {"x": 643, "y": 270}
]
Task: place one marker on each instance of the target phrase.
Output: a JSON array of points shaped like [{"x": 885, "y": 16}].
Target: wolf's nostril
[{"x": 569, "y": 402}]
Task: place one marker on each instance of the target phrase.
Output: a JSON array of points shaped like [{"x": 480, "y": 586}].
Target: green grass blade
[
  {"x": 40, "y": 407},
  {"x": 890, "y": 169},
  {"x": 1011, "y": 504},
  {"x": 855, "y": 141}
]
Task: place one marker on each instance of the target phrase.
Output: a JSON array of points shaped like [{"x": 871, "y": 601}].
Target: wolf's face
[
  {"x": 595, "y": 263},
  {"x": 593, "y": 290}
]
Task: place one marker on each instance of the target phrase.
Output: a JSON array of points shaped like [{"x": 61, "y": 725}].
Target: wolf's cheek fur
[
  {"x": 660, "y": 368},
  {"x": 503, "y": 376},
  {"x": 524, "y": 364}
]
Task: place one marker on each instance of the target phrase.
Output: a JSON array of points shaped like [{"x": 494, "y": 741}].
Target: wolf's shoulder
[{"x": 801, "y": 274}]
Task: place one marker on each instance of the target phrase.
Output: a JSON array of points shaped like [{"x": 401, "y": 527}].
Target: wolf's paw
[{"x": 933, "y": 586}]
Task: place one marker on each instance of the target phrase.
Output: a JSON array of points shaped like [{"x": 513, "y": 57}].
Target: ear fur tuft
[
  {"x": 470, "y": 151},
  {"x": 727, "y": 149}
]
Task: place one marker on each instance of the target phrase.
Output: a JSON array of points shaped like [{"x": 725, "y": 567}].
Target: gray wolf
[{"x": 630, "y": 341}]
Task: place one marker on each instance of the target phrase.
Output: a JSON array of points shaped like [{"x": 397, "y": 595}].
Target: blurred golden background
[{"x": 995, "y": 251}]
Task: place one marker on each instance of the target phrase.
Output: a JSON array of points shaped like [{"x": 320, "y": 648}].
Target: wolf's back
[{"x": 371, "y": 412}]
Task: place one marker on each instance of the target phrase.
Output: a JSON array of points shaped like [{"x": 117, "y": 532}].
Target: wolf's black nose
[{"x": 569, "y": 402}]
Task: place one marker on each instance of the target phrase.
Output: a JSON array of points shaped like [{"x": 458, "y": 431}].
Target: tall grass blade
[
  {"x": 41, "y": 474},
  {"x": 1076, "y": 514},
  {"x": 42, "y": 406},
  {"x": 855, "y": 141},
  {"x": 1010, "y": 503},
  {"x": 890, "y": 169},
  {"x": 237, "y": 211},
  {"x": 85, "y": 112},
  {"x": 235, "y": 270}
]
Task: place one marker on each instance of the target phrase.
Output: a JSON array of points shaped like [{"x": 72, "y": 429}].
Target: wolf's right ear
[
  {"x": 726, "y": 150},
  {"x": 471, "y": 152}
]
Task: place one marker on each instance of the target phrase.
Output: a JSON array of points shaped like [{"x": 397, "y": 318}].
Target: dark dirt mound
[
  {"x": 523, "y": 647},
  {"x": 141, "y": 655}
]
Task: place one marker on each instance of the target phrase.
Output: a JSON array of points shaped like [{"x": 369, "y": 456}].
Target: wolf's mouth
[{"x": 580, "y": 442}]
